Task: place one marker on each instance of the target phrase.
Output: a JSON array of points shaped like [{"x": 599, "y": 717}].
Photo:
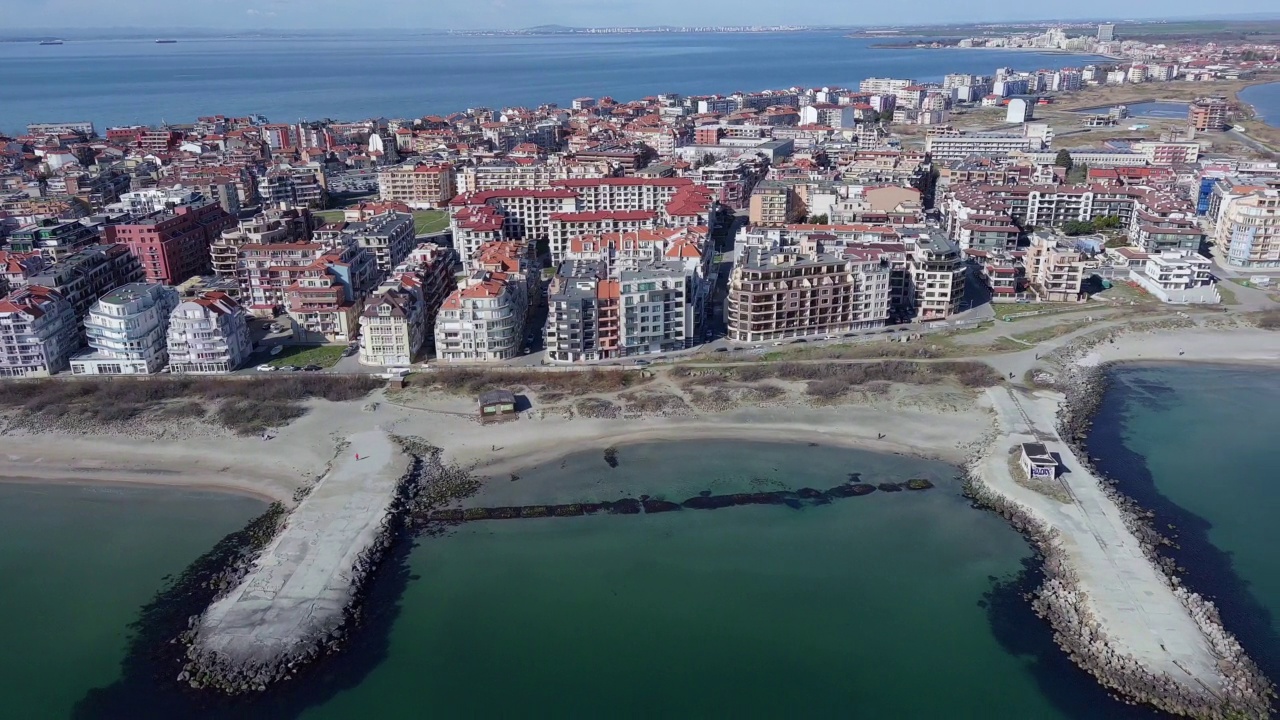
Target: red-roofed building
[
  {"x": 174, "y": 246},
  {"x": 38, "y": 332},
  {"x": 208, "y": 334}
]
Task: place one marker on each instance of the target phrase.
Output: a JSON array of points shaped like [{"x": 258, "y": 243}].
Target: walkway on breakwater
[
  {"x": 301, "y": 584},
  {"x": 1130, "y": 597}
]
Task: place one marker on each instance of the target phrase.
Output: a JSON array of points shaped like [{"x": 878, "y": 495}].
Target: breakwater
[
  {"x": 704, "y": 501},
  {"x": 297, "y": 599},
  {"x": 1121, "y": 615}
]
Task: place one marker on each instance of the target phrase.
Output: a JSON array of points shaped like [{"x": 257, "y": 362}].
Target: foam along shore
[{"x": 296, "y": 597}]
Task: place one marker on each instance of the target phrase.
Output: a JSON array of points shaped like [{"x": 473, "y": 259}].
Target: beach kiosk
[
  {"x": 497, "y": 403},
  {"x": 1037, "y": 463}
]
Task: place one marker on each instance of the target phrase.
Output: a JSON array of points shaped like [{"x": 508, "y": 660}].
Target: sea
[
  {"x": 348, "y": 77},
  {"x": 1265, "y": 100},
  {"x": 907, "y": 604}
]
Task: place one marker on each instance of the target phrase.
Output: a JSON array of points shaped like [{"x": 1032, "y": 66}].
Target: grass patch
[
  {"x": 1004, "y": 310},
  {"x": 430, "y": 221},
  {"x": 467, "y": 381},
  {"x": 823, "y": 378},
  {"x": 326, "y": 356},
  {"x": 1228, "y": 296},
  {"x": 1267, "y": 319},
  {"x": 330, "y": 216},
  {"x": 41, "y": 403},
  {"x": 1053, "y": 331}
]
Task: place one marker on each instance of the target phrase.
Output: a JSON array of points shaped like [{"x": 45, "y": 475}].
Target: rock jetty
[
  {"x": 300, "y": 596},
  {"x": 1115, "y": 608},
  {"x": 703, "y": 501}
]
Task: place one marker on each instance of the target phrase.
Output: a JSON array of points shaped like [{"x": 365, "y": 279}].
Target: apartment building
[
  {"x": 17, "y": 269},
  {"x": 661, "y": 308},
  {"x": 53, "y": 238},
  {"x": 271, "y": 227},
  {"x": 323, "y": 303},
  {"x": 527, "y": 175},
  {"x": 518, "y": 214},
  {"x": 937, "y": 276},
  {"x": 563, "y": 227},
  {"x": 582, "y": 313},
  {"x": 418, "y": 185},
  {"x": 945, "y": 147},
  {"x": 393, "y": 325},
  {"x": 268, "y": 273},
  {"x": 778, "y": 294},
  {"x": 775, "y": 203},
  {"x": 208, "y": 334},
  {"x": 38, "y": 332},
  {"x": 1176, "y": 277},
  {"x": 1055, "y": 270},
  {"x": 80, "y": 279},
  {"x": 483, "y": 321},
  {"x": 128, "y": 331},
  {"x": 1248, "y": 227},
  {"x": 173, "y": 245},
  {"x": 285, "y": 186},
  {"x": 1209, "y": 113},
  {"x": 388, "y": 237}
]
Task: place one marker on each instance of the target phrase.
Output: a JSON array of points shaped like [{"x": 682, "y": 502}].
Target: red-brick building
[{"x": 174, "y": 245}]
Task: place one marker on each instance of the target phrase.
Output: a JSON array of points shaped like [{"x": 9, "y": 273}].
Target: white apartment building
[
  {"x": 884, "y": 86},
  {"x": 937, "y": 272},
  {"x": 1248, "y": 230},
  {"x": 393, "y": 326},
  {"x": 38, "y": 332},
  {"x": 153, "y": 200},
  {"x": 127, "y": 330},
  {"x": 483, "y": 321},
  {"x": 208, "y": 334},
  {"x": 1177, "y": 277},
  {"x": 946, "y": 147}
]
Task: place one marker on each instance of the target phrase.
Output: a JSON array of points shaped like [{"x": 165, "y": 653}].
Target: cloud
[{"x": 251, "y": 11}]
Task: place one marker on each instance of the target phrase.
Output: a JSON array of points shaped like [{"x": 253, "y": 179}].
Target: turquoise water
[
  {"x": 890, "y": 605},
  {"x": 1196, "y": 444},
  {"x": 397, "y": 74},
  {"x": 76, "y": 565}
]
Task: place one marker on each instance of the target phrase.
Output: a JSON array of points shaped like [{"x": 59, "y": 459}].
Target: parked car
[
  {"x": 641, "y": 363},
  {"x": 350, "y": 351},
  {"x": 288, "y": 368},
  {"x": 797, "y": 341},
  {"x": 312, "y": 368},
  {"x": 266, "y": 368}
]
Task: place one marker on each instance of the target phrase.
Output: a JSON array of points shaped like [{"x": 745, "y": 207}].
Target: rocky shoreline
[
  {"x": 1246, "y": 692},
  {"x": 211, "y": 670}
]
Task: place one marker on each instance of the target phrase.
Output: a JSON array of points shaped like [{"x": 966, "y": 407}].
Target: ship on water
[
  {"x": 165, "y": 42},
  {"x": 50, "y": 42}
]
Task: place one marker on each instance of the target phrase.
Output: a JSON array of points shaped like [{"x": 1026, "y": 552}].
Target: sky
[{"x": 508, "y": 14}]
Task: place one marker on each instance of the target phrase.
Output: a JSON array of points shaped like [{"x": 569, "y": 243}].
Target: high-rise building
[
  {"x": 173, "y": 245},
  {"x": 37, "y": 332},
  {"x": 208, "y": 334},
  {"x": 1106, "y": 32},
  {"x": 1209, "y": 113},
  {"x": 127, "y": 330}
]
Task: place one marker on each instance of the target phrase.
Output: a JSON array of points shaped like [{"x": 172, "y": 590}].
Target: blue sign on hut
[{"x": 497, "y": 403}]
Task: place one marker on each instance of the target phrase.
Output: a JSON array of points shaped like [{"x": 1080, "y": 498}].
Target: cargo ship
[
  {"x": 165, "y": 42},
  {"x": 50, "y": 42}
]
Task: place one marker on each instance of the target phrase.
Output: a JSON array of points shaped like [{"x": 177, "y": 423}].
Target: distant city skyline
[{"x": 80, "y": 15}]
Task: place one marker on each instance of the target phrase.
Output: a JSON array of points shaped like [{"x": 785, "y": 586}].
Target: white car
[{"x": 266, "y": 368}]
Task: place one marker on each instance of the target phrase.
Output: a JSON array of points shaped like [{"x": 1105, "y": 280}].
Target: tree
[
  {"x": 819, "y": 219},
  {"x": 1078, "y": 174},
  {"x": 1063, "y": 160},
  {"x": 1107, "y": 222},
  {"x": 1076, "y": 227}
]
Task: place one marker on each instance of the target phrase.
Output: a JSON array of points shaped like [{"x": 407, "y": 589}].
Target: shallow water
[
  {"x": 1196, "y": 444},
  {"x": 890, "y": 605}
]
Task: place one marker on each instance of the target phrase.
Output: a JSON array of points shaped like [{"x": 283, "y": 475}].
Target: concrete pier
[
  {"x": 297, "y": 594},
  {"x": 1118, "y": 614}
]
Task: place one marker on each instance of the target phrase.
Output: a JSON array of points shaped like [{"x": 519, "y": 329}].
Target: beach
[{"x": 934, "y": 422}]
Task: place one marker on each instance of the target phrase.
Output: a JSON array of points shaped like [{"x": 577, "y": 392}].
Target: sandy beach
[{"x": 935, "y": 422}]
